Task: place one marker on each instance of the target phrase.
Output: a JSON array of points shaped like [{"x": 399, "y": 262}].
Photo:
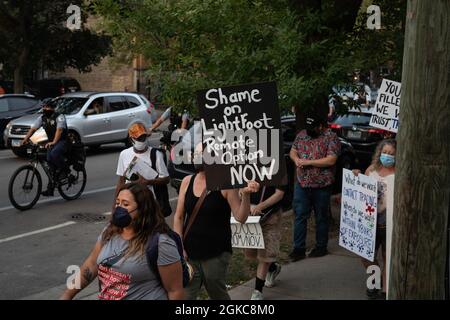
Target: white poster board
[
  {"x": 389, "y": 226},
  {"x": 386, "y": 111},
  {"x": 357, "y": 230},
  {"x": 247, "y": 235}
]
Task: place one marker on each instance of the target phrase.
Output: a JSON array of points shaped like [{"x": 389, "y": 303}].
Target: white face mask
[{"x": 140, "y": 146}]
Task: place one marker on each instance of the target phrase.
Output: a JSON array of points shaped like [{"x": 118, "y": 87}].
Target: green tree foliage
[
  {"x": 34, "y": 35},
  {"x": 195, "y": 44}
]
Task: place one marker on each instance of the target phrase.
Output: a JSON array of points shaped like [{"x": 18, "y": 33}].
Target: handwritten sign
[
  {"x": 386, "y": 112},
  {"x": 358, "y": 225},
  {"x": 248, "y": 235},
  {"x": 241, "y": 136}
]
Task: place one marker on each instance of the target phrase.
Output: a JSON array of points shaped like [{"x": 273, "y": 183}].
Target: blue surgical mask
[
  {"x": 387, "y": 160},
  {"x": 121, "y": 217}
]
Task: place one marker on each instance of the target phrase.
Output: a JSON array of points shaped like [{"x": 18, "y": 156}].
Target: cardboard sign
[
  {"x": 386, "y": 111},
  {"x": 247, "y": 235},
  {"x": 357, "y": 230},
  {"x": 241, "y": 136}
]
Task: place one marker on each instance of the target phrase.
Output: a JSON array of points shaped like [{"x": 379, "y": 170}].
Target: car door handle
[
  {"x": 131, "y": 115},
  {"x": 106, "y": 120}
]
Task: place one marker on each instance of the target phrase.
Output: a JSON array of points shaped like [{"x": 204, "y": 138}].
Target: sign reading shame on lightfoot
[
  {"x": 241, "y": 135},
  {"x": 386, "y": 111},
  {"x": 248, "y": 235},
  {"x": 357, "y": 230}
]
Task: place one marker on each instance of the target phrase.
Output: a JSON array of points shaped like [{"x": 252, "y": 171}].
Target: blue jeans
[
  {"x": 55, "y": 155},
  {"x": 304, "y": 200}
]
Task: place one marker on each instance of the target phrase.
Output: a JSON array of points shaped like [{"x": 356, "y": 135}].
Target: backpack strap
[
  {"x": 153, "y": 152},
  {"x": 152, "y": 253},
  {"x": 194, "y": 213}
]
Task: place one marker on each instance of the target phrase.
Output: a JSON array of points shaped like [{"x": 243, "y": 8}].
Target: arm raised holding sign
[{"x": 241, "y": 207}]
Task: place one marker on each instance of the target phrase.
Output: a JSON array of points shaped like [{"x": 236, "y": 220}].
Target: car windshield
[
  {"x": 68, "y": 105},
  {"x": 361, "y": 119}
]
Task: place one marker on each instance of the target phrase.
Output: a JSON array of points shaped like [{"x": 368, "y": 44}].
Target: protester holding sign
[
  {"x": 382, "y": 167},
  {"x": 206, "y": 229},
  {"x": 267, "y": 203},
  {"x": 314, "y": 152}
]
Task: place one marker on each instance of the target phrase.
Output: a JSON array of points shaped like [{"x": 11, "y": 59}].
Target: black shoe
[
  {"x": 297, "y": 255},
  {"x": 372, "y": 294},
  {"x": 48, "y": 193},
  {"x": 316, "y": 253}
]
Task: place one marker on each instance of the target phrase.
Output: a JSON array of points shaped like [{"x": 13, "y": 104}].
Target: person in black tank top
[{"x": 207, "y": 244}]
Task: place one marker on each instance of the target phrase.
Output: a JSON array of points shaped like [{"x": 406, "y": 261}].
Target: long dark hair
[{"x": 149, "y": 220}]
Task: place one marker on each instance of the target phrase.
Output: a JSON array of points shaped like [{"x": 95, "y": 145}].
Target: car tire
[{"x": 73, "y": 136}]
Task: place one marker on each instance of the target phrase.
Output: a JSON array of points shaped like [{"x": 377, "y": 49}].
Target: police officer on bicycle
[{"x": 55, "y": 127}]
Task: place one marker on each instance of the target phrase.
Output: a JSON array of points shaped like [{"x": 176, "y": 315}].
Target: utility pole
[{"x": 422, "y": 182}]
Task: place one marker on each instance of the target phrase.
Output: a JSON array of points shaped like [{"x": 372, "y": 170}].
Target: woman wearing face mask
[
  {"x": 135, "y": 163},
  {"x": 382, "y": 167},
  {"x": 119, "y": 256}
]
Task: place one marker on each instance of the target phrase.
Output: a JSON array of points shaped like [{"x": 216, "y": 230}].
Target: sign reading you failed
[
  {"x": 241, "y": 135},
  {"x": 386, "y": 112}
]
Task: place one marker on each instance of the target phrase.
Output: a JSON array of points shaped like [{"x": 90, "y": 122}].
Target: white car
[{"x": 107, "y": 123}]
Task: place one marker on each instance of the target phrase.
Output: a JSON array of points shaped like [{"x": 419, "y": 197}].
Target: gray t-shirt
[{"x": 132, "y": 279}]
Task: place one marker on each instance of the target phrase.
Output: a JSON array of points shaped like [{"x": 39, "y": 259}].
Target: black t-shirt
[
  {"x": 210, "y": 234},
  {"x": 255, "y": 198}
]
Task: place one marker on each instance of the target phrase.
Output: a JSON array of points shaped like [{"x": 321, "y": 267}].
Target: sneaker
[
  {"x": 372, "y": 294},
  {"x": 271, "y": 276},
  {"x": 296, "y": 255},
  {"x": 257, "y": 295},
  {"x": 316, "y": 253}
]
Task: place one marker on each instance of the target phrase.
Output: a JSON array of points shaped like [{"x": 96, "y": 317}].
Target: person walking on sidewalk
[
  {"x": 135, "y": 163},
  {"x": 206, "y": 229},
  {"x": 119, "y": 256},
  {"x": 267, "y": 204},
  {"x": 382, "y": 167},
  {"x": 314, "y": 152}
]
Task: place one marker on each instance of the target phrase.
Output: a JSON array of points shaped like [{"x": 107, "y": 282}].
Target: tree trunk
[
  {"x": 422, "y": 186},
  {"x": 19, "y": 71}
]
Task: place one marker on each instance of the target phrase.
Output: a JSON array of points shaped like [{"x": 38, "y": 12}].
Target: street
[{"x": 37, "y": 246}]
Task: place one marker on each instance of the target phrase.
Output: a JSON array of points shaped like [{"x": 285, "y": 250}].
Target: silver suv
[{"x": 93, "y": 117}]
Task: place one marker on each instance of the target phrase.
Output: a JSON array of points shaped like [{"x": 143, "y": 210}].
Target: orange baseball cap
[{"x": 137, "y": 130}]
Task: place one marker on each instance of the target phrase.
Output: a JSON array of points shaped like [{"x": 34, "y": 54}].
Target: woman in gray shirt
[{"x": 119, "y": 256}]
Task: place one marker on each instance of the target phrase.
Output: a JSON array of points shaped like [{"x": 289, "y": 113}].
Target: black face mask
[
  {"x": 121, "y": 217},
  {"x": 47, "y": 112}
]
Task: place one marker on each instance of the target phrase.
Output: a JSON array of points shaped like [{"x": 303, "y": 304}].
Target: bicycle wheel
[
  {"x": 25, "y": 187},
  {"x": 72, "y": 186}
]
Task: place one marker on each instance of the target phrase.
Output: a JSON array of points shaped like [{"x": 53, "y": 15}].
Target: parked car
[
  {"x": 51, "y": 88},
  {"x": 107, "y": 123},
  {"x": 354, "y": 127},
  {"x": 288, "y": 127},
  {"x": 8, "y": 86},
  {"x": 13, "y": 106}
]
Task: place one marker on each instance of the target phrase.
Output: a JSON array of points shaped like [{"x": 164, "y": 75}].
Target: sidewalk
[
  {"x": 339, "y": 275},
  {"x": 336, "y": 276}
]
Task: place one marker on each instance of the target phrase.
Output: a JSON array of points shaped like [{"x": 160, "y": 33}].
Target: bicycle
[{"x": 26, "y": 181}]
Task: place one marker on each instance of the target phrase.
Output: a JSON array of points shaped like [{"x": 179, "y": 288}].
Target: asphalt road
[{"x": 38, "y": 245}]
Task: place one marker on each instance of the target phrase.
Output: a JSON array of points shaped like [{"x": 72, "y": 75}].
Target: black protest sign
[{"x": 241, "y": 136}]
